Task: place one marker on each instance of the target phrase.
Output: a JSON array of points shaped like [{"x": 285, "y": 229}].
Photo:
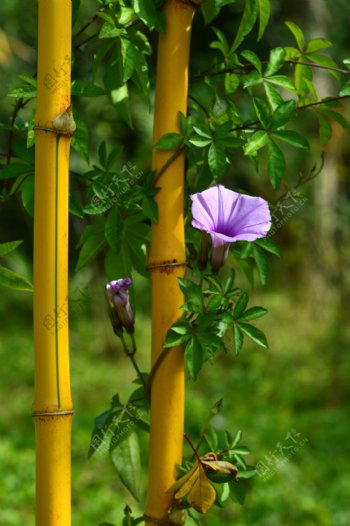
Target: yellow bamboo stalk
[
  {"x": 167, "y": 261},
  {"x": 52, "y": 407}
]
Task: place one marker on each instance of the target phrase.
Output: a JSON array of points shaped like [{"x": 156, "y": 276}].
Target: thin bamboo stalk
[
  {"x": 168, "y": 246},
  {"x": 52, "y": 407}
]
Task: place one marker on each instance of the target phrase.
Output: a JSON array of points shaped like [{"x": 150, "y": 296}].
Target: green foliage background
[{"x": 300, "y": 383}]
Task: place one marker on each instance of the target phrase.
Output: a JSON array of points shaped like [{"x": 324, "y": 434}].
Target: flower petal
[{"x": 229, "y": 216}]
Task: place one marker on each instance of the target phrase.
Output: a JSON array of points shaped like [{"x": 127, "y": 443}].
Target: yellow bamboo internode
[
  {"x": 52, "y": 407},
  {"x": 167, "y": 261}
]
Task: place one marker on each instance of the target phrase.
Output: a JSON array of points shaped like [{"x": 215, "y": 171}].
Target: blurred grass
[{"x": 300, "y": 383}]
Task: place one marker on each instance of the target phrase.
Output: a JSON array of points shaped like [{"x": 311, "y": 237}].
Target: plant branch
[
  {"x": 77, "y": 46},
  {"x": 244, "y": 67},
  {"x": 21, "y": 103},
  {"x": 166, "y": 165},
  {"x": 202, "y": 107},
  {"x": 90, "y": 22},
  {"x": 323, "y": 101},
  {"x": 155, "y": 368},
  {"x": 131, "y": 355},
  {"x": 319, "y": 66}
]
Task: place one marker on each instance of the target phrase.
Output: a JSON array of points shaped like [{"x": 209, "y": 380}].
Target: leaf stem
[
  {"x": 195, "y": 452},
  {"x": 131, "y": 355}
]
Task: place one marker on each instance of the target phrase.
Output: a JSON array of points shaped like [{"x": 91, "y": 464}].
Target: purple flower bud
[
  {"x": 118, "y": 299},
  {"x": 229, "y": 216}
]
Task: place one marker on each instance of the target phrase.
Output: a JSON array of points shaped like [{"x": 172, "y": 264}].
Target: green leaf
[
  {"x": 182, "y": 327},
  {"x": 150, "y": 208},
  {"x": 178, "y": 333},
  {"x": 173, "y": 339},
  {"x": 12, "y": 280},
  {"x": 217, "y": 161},
  {"x": 254, "y": 334},
  {"x": 209, "y": 11},
  {"x": 345, "y": 91},
  {"x": 276, "y": 164},
  {"x": 75, "y": 206},
  {"x": 240, "y": 306},
  {"x": 193, "y": 294},
  {"x": 116, "y": 88},
  {"x": 261, "y": 263},
  {"x": 302, "y": 73},
  {"x": 81, "y": 88},
  {"x": 222, "y": 43},
  {"x": 248, "y": 20},
  {"x": 282, "y": 81},
  {"x": 251, "y": 57},
  {"x": 118, "y": 266},
  {"x": 293, "y": 138},
  {"x": 93, "y": 243},
  {"x": 273, "y": 96},
  {"x": 262, "y": 111},
  {"x": 149, "y": 14},
  {"x": 202, "y": 131},
  {"x": 247, "y": 474},
  {"x": 232, "y": 81},
  {"x": 23, "y": 92},
  {"x": 276, "y": 61},
  {"x": 109, "y": 30},
  {"x": 258, "y": 140},
  {"x": 238, "y": 338},
  {"x": 27, "y": 194},
  {"x": 230, "y": 141},
  {"x": 194, "y": 357},
  {"x": 130, "y": 55},
  {"x": 282, "y": 114},
  {"x": 16, "y": 169},
  {"x": 269, "y": 246},
  {"x": 237, "y": 492},
  {"x": 114, "y": 229},
  {"x": 80, "y": 139},
  {"x": 316, "y": 44},
  {"x": 324, "y": 61},
  {"x": 27, "y": 78},
  {"x": 124, "y": 427},
  {"x": 253, "y": 313},
  {"x": 346, "y": 63},
  {"x": 126, "y": 459},
  {"x": 297, "y": 33},
  {"x": 200, "y": 141},
  {"x": 169, "y": 141},
  {"x": 253, "y": 79},
  {"x": 6, "y": 248},
  {"x": 214, "y": 303},
  {"x": 223, "y": 130},
  {"x": 264, "y": 15}
]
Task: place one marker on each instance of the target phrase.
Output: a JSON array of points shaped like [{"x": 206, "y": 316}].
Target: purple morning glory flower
[
  {"x": 118, "y": 299},
  {"x": 229, "y": 216}
]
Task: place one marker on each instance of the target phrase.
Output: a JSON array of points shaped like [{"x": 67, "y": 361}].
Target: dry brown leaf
[{"x": 202, "y": 495}]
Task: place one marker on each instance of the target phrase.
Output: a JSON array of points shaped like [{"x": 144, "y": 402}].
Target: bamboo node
[
  {"x": 52, "y": 130},
  {"x": 52, "y": 413},
  {"x": 165, "y": 265},
  {"x": 64, "y": 122}
]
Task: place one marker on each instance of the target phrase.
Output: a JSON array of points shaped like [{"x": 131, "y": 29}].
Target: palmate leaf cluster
[{"x": 208, "y": 315}]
